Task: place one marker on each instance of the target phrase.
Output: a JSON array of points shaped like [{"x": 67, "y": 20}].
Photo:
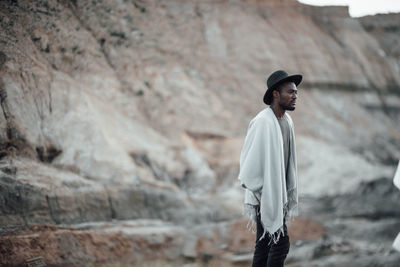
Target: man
[{"x": 268, "y": 170}]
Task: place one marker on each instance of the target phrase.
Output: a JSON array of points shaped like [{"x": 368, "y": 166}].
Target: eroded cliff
[{"x": 138, "y": 109}]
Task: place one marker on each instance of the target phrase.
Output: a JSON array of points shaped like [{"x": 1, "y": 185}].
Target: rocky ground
[{"x": 356, "y": 229}]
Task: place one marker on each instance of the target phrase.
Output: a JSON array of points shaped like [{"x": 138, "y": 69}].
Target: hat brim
[{"x": 296, "y": 78}]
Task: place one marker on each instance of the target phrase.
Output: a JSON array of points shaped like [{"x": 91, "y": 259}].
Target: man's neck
[{"x": 278, "y": 111}]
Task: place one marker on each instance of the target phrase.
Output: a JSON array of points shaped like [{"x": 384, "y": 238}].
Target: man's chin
[{"x": 289, "y": 108}]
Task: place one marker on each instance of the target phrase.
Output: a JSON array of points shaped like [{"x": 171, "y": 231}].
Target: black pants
[{"x": 272, "y": 255}]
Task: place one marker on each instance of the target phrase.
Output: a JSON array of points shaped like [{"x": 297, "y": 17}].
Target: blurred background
[{"x": 122, "y": 123}]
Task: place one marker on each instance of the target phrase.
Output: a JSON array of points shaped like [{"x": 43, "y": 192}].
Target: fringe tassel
[
  {"x": 274, "y": 237},
  {"x": 290, "y": 210},
  {"x": 251, "y": 212},
  {"x": 292, "y": 200},
  {"x": 292, "y": 205},
  {"x": 252, "y": 226}
]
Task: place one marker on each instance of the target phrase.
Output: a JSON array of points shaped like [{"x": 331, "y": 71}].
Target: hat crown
[{"x": 276, "y": 76}]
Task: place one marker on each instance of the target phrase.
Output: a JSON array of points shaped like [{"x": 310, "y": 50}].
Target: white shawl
[{"x": 262, "y": 170}]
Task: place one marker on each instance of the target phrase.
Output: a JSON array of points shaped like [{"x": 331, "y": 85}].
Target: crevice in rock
[
  {"x": 102, "y": 42},
  {"x": 112, "y": 210},
  {"x": 9, "y": 170},
  {"x": 11, "y": 198},
  {"x": 20, "y": 201},
  {"x": 15, "y": 142},
  {"x": 139, "y": 5},
  {"x": 73, "y": 2},
  {"x": 6, "y": 113},
  {"x": 3, "y": 59},
  {"x": 143, "y": 160},
  {"x": 49, "y": 94},
  {"x": 183, "y": 182},
  {"x": 205, "y": 135},
  {"x": 51, "y": 211},
  {"x": 47, "y": 154}
]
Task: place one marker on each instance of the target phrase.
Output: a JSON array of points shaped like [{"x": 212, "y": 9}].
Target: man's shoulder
[{"x": 264, "y": 117}]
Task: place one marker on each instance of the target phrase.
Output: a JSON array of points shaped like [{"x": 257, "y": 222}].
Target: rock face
[{"x": 125, "y": 110}]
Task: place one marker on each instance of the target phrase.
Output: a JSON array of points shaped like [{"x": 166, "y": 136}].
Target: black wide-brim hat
[{"x": 276, "y": 78}]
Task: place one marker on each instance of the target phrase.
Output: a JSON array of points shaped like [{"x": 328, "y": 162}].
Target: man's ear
[{"x": 275, "y": 94}]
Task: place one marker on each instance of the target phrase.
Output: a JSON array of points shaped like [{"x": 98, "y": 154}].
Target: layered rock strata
[{"x": 138, "y": 109}]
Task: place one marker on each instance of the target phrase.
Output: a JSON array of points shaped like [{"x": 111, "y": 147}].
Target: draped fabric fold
[{"x": 262, "y": 173}]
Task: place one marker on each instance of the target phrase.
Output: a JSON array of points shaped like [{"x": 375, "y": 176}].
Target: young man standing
[{"x": 268, "y": 170}]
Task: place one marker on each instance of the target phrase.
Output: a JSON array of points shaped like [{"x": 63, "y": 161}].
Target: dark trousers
[{"x": 272, "y": 255}]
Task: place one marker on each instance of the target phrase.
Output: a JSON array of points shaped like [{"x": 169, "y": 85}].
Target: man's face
[{"x": 287, "y": 96}]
